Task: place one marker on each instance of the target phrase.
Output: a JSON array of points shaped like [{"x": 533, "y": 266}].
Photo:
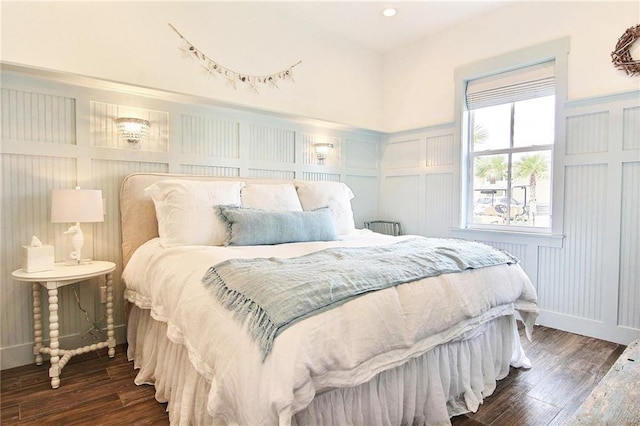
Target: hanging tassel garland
[{"x": 211, "y": 67}]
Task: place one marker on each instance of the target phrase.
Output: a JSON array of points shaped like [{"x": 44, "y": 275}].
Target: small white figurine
[{"x": 76, "y": 242}]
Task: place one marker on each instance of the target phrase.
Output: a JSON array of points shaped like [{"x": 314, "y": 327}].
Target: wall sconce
[
  {"x": 133, "y": 130},
  {"x": 322, "y": 151}
]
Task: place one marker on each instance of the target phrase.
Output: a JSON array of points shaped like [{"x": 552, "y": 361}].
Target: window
[
  {"x": 510, "y": 119},
  {"x": 509, "y": 122}
]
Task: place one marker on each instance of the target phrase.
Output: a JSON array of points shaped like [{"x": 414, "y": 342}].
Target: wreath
[{"x": 621, "y": 57}]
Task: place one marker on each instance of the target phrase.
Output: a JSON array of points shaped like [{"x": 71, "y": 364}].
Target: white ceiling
[{"x": 363, "y": 23}]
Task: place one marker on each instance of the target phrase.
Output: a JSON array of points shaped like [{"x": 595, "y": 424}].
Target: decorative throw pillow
[
  {"x": 249, "y": 227},
  {"x": 336, "y": 195},
  {"x": 271, "y": 197},
  {"x": 185, "y": 210}
]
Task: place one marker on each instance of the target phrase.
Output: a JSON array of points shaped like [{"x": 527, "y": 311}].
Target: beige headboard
[{"x": 138, "y": 214}]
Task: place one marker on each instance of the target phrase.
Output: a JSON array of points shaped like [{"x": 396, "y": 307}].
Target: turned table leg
[
  {"x": 62, "y": 275},
  {"x": 54, "y": 370},
  {"x": 111, "y": 341},
  {"x": 37, "y": 323}
]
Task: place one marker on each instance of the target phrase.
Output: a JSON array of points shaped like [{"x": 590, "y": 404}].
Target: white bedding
[{"x": 342, "y": 347}]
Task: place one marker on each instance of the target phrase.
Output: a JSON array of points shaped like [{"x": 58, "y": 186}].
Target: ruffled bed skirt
[{"x": 448, "y": 380}]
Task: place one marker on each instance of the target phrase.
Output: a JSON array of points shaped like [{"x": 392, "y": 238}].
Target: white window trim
[
  {"x": 556, "y": 50},
  {"x": 507, "y": 236}
]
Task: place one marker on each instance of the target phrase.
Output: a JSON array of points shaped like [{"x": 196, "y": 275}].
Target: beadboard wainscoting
[
  {"x": 588, "y": 279},
  {"x": 60, "y": 130}
]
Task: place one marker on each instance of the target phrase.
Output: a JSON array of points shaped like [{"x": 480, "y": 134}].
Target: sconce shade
[
  {"x": 133, "y": 130},
  {"x": 76, "y": 205},
  {"x": 322, "y": 150}
]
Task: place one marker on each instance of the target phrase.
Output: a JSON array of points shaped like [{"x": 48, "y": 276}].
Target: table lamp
[{"x": 76, "y": 205}]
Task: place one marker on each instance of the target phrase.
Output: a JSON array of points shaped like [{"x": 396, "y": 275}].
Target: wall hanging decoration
[
  {"x": 621, "y": 56},
  {"x": 233, "y": 77}
]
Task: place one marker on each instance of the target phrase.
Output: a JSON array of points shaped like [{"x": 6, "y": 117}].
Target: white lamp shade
[{"x": 76, "y": 205}]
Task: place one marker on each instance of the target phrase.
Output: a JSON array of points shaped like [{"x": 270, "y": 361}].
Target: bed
[{"x": 417, "y": 350}]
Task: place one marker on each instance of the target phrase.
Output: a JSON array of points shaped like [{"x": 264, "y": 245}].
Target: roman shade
[{"x": 517, "y": 85}]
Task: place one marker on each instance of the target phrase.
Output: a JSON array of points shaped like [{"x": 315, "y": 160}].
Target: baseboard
[
  {"x": 16, "y": 356},
  {"x": 587, "y": 327}
]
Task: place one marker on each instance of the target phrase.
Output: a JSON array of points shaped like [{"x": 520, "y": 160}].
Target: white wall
[
  {"x": 131, "y": 42},
  {"x": 418, "y": 80}
]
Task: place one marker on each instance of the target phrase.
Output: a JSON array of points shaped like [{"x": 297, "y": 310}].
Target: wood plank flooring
[
  {"x": 97, "y": 390},
  {"x": 94, "y": 390},
  {"x": 566, "y": 367}
]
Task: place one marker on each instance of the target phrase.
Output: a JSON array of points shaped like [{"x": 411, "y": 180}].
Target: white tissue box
[{"x": 38, "y": 259}]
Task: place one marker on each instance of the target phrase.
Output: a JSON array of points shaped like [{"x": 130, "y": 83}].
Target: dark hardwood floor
[
  {"x": 94, "y": 389},
  {"x": 566, "y": 367},
  {"x": 97, "y": 390}
]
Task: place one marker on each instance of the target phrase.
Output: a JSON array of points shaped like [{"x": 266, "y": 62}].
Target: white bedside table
[{"x": 64, "y": 275}]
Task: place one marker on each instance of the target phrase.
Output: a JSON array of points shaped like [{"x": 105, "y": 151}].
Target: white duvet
[{"x": 343, "y": 347}]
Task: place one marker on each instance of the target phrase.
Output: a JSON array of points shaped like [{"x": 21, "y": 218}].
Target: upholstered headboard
[{"x": 137, "y": 211}]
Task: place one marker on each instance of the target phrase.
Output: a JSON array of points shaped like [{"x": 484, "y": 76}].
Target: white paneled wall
[
  {"x": 575, "y": 272},
  {"x": 418, "y": 188},
  {"x": 591, "y": 284},
  {"x": 438, "y": 207},
  {"x": 320, "y": 176},
  {"x": 400, "y": 202},
  {"x": 588, "y": 282},
  {"x": 362, "y": 154},
  {"x": 631, "y": 129},
  {"x": 440, "y": 150},
  {"x": 56, "y": 134},
  {"x": 27, "y": 181},
  {"x": 365, "y": 203},
  {"x": 271, "y": 144},
  {"x": 209, "y": 137},
  {"x": 192, "y": 169},
  {"x": 587, "y": 133},
  {"x": 270, "y": 174},
  {"x": 37, "y": 117},
  {"x": 629, "y": 308},
  {"x": 402, "y": 153}
]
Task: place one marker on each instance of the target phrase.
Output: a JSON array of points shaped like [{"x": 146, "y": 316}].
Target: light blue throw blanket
[{"x": 273, "y": 293}]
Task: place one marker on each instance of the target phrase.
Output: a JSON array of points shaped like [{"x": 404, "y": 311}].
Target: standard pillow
[
  {"x": 249, "y": 227},
  {"x": 271, "y": 197},
  {"x": 185, "y": 210},
  {"x": 336, "y": 195}
]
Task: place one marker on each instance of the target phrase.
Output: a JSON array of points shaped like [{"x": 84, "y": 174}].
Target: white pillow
[
  {"x": 185, "y": 210},
  {"x": 271, "y": 197},
  {"x": 336, "y": 195}
]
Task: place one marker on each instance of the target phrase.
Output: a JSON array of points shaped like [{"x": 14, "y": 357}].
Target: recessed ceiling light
[{"x": 389, "y": 11}]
